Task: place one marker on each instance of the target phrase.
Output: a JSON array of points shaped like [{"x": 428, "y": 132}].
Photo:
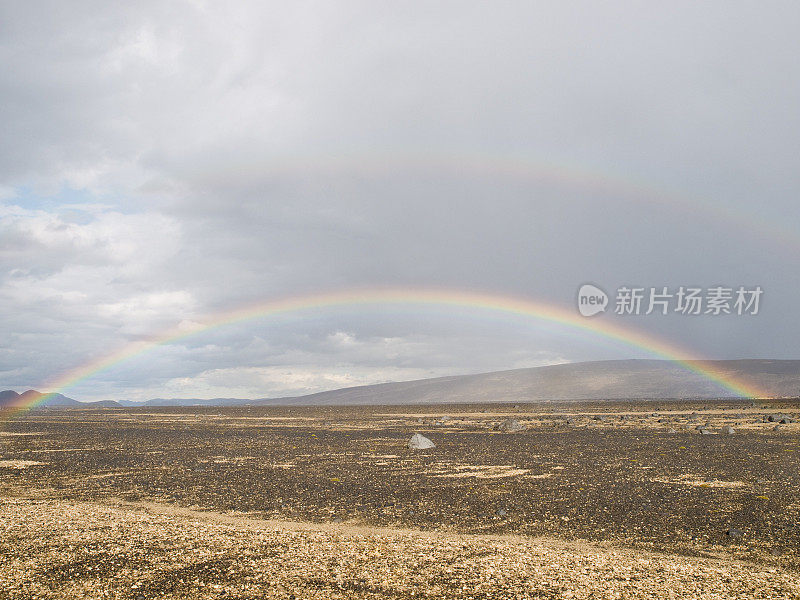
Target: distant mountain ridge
[
  {"x": 187, "y": 402},
  {"x": 11, "y": 399},
  {"x": 597, "y": 380}
]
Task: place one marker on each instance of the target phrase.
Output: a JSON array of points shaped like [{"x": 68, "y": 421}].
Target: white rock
[{"x": 420, "y": 442}]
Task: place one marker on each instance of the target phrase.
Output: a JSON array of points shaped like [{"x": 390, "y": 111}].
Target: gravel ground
[
  {"x": 52, "y": 548},
  {"x": 617, "y": 475},
  {"x": 584, "y": 500}
]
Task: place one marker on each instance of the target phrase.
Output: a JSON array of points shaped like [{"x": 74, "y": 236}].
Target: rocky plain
[{"x": 622, "y": 499}]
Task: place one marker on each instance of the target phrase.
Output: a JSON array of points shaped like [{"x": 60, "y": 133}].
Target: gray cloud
[{"x": 169, "y": 161}]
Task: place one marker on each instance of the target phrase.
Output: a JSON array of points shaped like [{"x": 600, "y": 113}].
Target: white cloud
[
  {"x": 146, "y": 313},
  {"x": 274, "y": 382}
]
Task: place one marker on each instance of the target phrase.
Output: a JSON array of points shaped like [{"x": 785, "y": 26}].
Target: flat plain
[{"x": 618, "y": 499}]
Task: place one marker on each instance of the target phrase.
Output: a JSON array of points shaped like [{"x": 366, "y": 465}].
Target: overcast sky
[{"x": 164, "y": 162}]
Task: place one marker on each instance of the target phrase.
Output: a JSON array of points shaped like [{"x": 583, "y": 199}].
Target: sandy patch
[
  {"x": 482, "y": 472},
  {"x": 693, "y": 480},
  {"x": 54, "y": 450},
  {"x": 225, "y": 460},
  {"x": 19, "y": 464},
  {"x": 111, "y": 474}
]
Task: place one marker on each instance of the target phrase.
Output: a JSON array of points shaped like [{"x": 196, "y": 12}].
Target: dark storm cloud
[{"x": 172, "y": 160}]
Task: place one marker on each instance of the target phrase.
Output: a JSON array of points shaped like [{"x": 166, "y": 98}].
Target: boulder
[
  {"x": 728, "y": 430},
  {"x": 420, "y": 442}
]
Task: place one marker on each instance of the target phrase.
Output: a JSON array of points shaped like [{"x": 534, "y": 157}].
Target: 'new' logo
[{"x": 591, "y": 300}]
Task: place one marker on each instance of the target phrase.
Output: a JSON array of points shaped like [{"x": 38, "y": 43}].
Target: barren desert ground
[{"x": 589, "y": 500}]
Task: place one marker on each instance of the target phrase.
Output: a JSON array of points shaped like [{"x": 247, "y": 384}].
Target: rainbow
[
  {"x": 520, "y": 307},
  {"x": 620, "y": 186}
]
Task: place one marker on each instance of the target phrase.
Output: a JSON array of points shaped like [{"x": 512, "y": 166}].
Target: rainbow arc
[{"x": 413, "y": 297}]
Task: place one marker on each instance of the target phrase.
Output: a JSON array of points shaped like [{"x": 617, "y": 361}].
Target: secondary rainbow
[
  {"x": 599, "y": 326},
  {"x": 620, "y": 186}
]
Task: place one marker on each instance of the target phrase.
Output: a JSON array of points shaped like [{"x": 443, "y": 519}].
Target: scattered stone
[
  {"x": 501, "y": 512},
  {"x": 777, "y": 428},
  {"x": 420, "y": 442},
  {"x": 779, "y": 418},
  {"x": 511, "y": 425},
  {"x": 704, "y": 431},
  {"x": 734, "y": 533}
]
